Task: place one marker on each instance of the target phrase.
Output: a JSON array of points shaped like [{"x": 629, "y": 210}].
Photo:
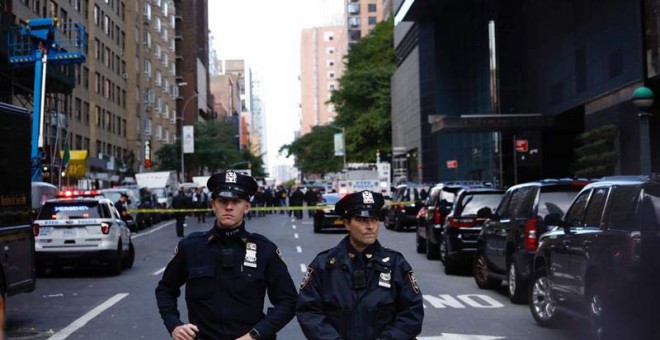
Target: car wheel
[
  {"x": 517, "y": 287},
  {"x": 116, "y": 262},
  {"x": 421, "y": 244},
  {"x": 480, "y": 272},
  {"x": 317, "y": 228},
  {"x": 600, "y": 324},
  {"x": 541, "y": 303},
  {"x": 447, "y": 261},
  {"x": 130, "y": 259}
]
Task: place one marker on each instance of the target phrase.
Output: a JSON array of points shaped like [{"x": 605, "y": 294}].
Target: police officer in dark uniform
[
  {"x": 359, "y": 289},
  {"x": 227, "y": 272}
]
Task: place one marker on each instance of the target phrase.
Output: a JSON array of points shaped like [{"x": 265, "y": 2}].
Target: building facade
[{"x": 539, "y": 72}]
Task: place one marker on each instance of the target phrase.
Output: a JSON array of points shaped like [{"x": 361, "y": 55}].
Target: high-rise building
[
  {"x": 321, "y": 64},
  {"x": 362, "y": 16}
]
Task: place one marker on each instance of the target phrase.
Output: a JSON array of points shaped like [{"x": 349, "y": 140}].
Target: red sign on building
[
  {"x": 522, "y": 145},
  {"x": 452, "y": 164}
]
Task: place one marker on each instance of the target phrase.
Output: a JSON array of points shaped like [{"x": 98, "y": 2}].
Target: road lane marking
[
  {"x": 74, "y": 326},
  {"x": 294, "y": 226},
  {"x": 303, "y": 268},
  {"x": 299, "y": 249},
  {"x": 452, "y": 336},
  {"x": 471, "y": 300},
  {"x": 159, "y": 271},
  {"x": 134, "y": 236},
  {"x": 295, "y": 235}
]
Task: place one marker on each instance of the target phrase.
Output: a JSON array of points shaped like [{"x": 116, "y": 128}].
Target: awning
[{"x": 490, "y": 122}]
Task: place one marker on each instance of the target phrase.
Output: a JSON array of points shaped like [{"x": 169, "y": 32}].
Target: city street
[{"x": 89, "y": 304}]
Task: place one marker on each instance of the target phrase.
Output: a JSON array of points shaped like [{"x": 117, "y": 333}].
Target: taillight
[
  {"x": 530, "y": 234},
  {"x": 105, "y": 227},
  {"x": 437, "y": 219},
  {"x": 461, "y": 222},
  {"x": 35, "y": 229}
]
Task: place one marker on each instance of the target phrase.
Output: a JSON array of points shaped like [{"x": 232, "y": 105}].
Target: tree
[
  {"x": 362, "y": 102},
  {"x": 597, "y": 155}
]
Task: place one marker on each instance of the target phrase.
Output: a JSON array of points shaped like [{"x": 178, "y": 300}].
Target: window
[
  {"x": 576, "y": 211},
  {"x": 328, "y": 36},
  {"x": 98, "y": 119},
  {"x": 97, "y": 19},
  {"x": 78, "y": 109},
  {"x": 330, "y": 50},
  {"x": 620, "y": 208},
  {"x": 97, "y": 82},
  {"x": 157, "y": 25},
  {"x": 331, "y": 63},
  {"x": 594, "y": 210},
  {"x": 86, "y": 113},
  {"x": 371, "y": 8},
  {"x": 372, "y": 20}
]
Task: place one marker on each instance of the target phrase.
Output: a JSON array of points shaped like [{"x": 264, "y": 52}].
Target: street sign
[
  {"x": 522, "y": 145},
  {"x": 452, "y": 164}
]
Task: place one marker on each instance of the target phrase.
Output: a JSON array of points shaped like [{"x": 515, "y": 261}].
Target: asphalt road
[{"x": 86, "y": 303}]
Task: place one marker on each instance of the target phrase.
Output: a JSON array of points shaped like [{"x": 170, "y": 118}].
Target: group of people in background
[{"x": 267, "y": 200}]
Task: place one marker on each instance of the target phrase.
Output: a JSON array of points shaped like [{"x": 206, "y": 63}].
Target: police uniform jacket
[
  {"x": 385, "y": 303},
  {"x": 225, "y": 289}
]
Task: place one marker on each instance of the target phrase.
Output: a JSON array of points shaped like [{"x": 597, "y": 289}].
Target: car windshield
[
  {"x": 331, "y": 199},
  {"x": 112, "y": 195},
  {"x": 69, "y": 210},
  {"x": 472, "y": 203}
]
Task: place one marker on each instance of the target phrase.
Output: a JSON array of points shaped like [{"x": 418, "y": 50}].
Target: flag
[{"x": 66, "y": 157}]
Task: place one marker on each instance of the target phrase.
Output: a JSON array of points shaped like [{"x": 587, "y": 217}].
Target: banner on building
[{"x": 77, "y": 166}]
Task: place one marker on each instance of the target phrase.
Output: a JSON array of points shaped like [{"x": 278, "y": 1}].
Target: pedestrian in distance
[
  {"x": 227, "y": 272},
  {"x": 312, "y": 197},
  {"x": 360, "y": 289},
  {"x": 296, "y": 202},
  {"x": 201, "y": 203},
  {"x": 180, "y": 203}
]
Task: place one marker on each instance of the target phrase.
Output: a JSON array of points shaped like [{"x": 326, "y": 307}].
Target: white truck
[
  {"x": 162, "y": 183},
  {"x": 364, "y": 176}
]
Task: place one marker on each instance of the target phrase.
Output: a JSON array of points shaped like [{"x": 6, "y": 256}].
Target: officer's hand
[
  {"x": 185, "y": 332},
  {"x": 246, "y": 336}
]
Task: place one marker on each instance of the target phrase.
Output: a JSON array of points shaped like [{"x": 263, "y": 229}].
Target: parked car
[
  {"x": 431, "y": 218},
  {"x": 402, "y": 211},
  {"x": 132, "y": 204},
  {"x": 472, "y": 207},
  {"x": 325, "y": 217},
  {"x": 507, "y": 242},
  {"x": 600, "y": 262},
  {"x": 82, "y": 228}
]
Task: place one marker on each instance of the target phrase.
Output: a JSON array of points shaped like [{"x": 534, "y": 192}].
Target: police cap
[
  {"x": 231, "y": 185},
  {"x": 364, "y": 204}
]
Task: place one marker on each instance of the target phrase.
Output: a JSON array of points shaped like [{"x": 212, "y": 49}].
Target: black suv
[
  {"x": 507, "y": 242},
  {"x": 402, "y": 211},
  {"x": 471, "y": 208},
  {"x": 431, "y": 217},
  {"x": 602, "y": 259}
]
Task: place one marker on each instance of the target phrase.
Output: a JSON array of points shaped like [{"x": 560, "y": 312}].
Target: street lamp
[
  {"x": 642, "y": 98},
  {"x": 183, "y": 114}
]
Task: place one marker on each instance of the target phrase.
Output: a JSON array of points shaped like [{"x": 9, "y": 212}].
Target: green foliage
[
  {"x": 314, "y": 152},
  {"x": 216, "y": 149},
  {"x": 363, "y": 105},
  {"x": 596, "y": 155}
]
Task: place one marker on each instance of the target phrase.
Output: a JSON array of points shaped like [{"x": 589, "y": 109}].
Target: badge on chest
[
  {"x": 384, "y": 280},
  {"x": 250, "y": 255}
]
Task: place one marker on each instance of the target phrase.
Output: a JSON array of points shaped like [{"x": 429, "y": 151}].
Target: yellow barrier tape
[{"x": 315, "y": 207}]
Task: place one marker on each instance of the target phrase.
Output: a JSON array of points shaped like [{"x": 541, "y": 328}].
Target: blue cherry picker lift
[{"x": 38, "y": 42}]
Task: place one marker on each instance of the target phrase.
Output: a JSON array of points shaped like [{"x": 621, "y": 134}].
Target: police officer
[
  {"x": 120, "y": 205},
  {"x": 227, "y": 271},
  {"x": 359, "y": 289}
]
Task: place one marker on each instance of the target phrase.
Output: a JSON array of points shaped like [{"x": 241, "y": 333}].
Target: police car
[{"x": 82, "y": 228}]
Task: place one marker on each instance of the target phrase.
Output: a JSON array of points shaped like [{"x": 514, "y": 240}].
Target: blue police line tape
[{"x": 316, "y": 207}]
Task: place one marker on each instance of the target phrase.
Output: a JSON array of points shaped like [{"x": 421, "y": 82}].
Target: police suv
[{"x": 82, "y": 228}]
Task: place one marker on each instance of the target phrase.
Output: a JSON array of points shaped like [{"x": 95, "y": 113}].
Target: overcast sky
[{"x": 266, "y": 35}]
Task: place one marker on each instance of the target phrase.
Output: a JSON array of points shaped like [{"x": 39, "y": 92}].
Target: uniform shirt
[
  {"x": 225, "y": 289},
  {"x": 336, "y": 302}
]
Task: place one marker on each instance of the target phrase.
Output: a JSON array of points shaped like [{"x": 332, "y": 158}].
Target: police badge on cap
[
  {"x": 231, "y": 185},
  {"x": 364, "y": 203}
]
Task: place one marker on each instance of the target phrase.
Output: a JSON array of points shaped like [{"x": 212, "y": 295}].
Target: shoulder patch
[
  {"x": 413, "y": 282},
  {"x": 308, "y": 275},
  {"x": 279, "y": 253}
]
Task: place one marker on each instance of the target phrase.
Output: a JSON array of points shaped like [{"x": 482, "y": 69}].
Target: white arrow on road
[{"x": 451, "y": 336}]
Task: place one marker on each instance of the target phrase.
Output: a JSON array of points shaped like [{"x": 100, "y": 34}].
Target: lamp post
[
  {"x": 183, "y": 114},
  {"x": 642, "y": 98}
]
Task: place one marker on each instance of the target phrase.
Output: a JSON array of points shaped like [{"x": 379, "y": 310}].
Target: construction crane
[{"x": 38, "y": 42}]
